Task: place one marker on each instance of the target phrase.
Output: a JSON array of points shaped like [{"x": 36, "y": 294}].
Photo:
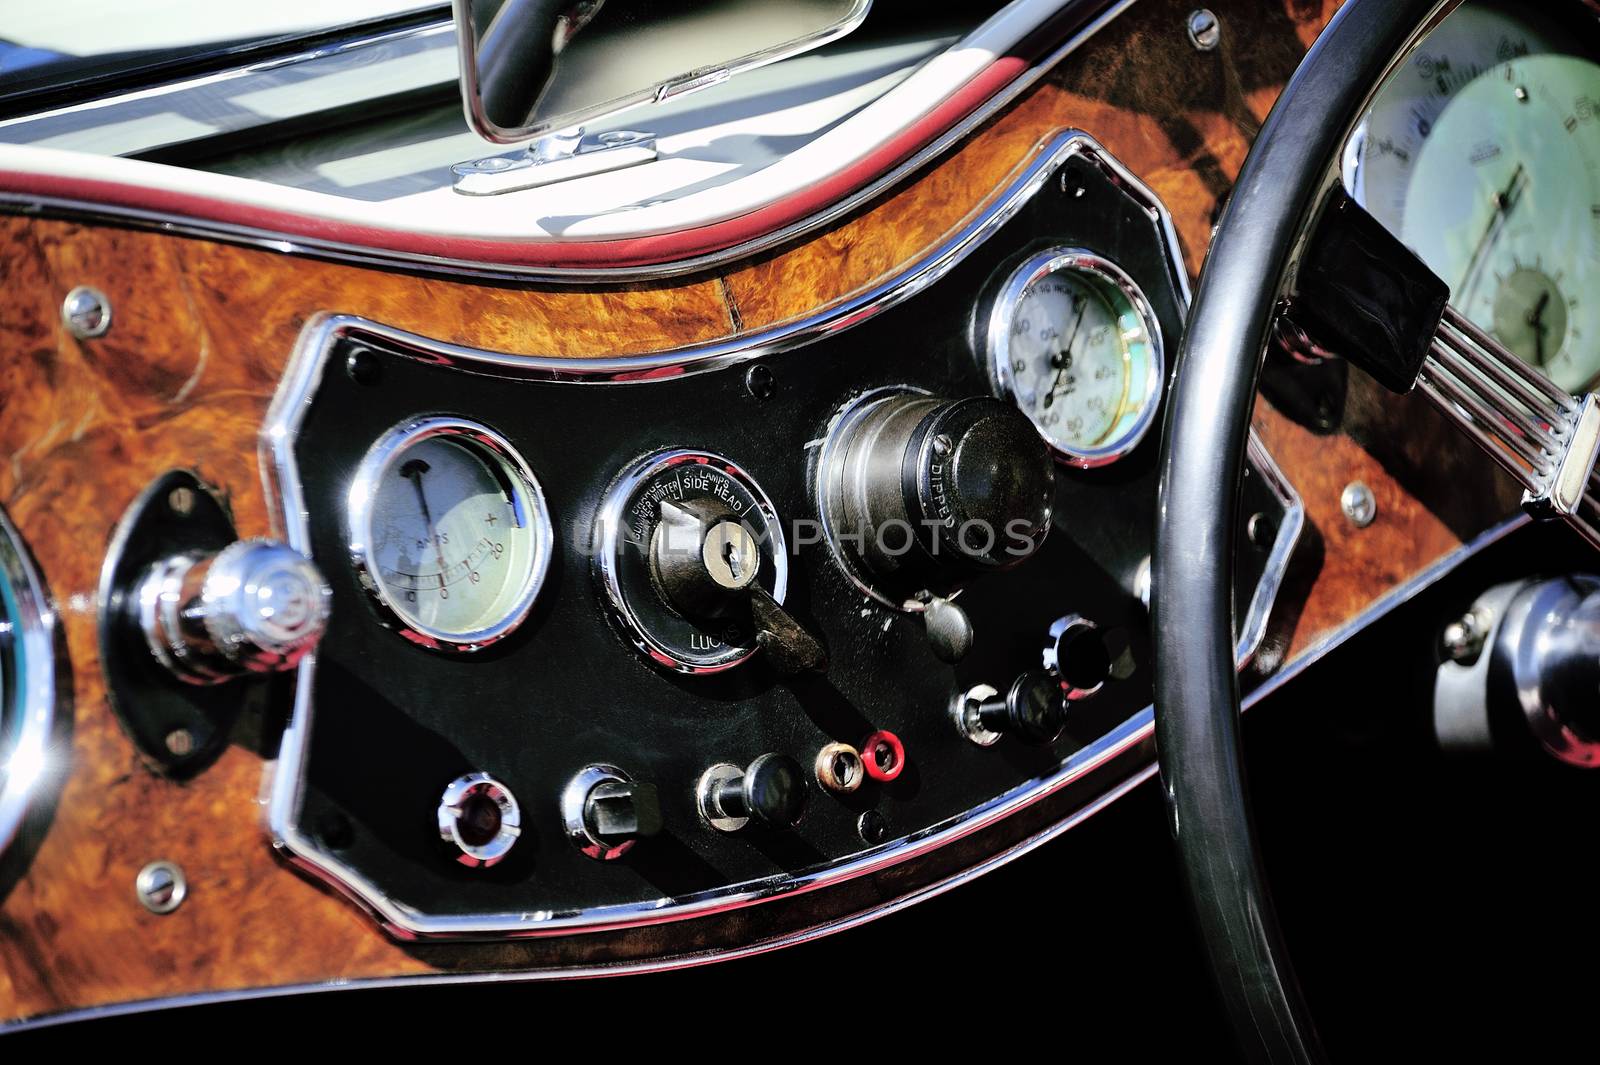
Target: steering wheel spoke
[{"x": 1361, "y": 294}]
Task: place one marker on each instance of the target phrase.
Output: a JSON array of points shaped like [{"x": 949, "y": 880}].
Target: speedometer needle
[
  {"x": 413, "y": 472},
  {"x": 1505, "y": 202}
]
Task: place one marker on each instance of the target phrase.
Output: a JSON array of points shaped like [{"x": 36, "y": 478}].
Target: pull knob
[
  {"x": 920, "y": 492},
  {"x": 607, "y": 812},
  {"x": 705, "y": 562},
  {"x": 771, "y": 792},
  {"x": 256, "y": 606},
  {"x": 1033, "y": 710}
]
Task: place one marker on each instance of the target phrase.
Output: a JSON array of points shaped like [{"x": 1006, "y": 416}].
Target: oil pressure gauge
[
  {"x": 1075, "y": 345},
  {"x": 449, "y": 532}
]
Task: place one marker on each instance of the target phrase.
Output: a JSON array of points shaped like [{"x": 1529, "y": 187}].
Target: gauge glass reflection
[
  {"x": 457, "y": 534},
  {"x": 1483, "y": 155},
  {"x": 1075, "y": 345}
]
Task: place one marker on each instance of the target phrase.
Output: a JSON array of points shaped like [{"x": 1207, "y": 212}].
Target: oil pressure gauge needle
[
  {"x": 413, "y": 472},
  {"x": 1063, "y": 360}
]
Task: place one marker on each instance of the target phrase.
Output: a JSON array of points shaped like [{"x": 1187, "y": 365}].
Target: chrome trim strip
[
  {"x": 281, "y": 477},
  {"x": 323, "y": 331},
  {"x": 345, "y": 252},
  {"x": 27, "y": 715},
  {"x": 1400, "y": 595},
  {"x": 656, "y": 965}
]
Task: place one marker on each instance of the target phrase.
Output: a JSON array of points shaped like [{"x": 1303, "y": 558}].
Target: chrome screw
[
  {"x": 1359, "y": 504},
  {"x": 180, "y": 743},
  {"x": 161, "y": 887},
  {"x": 1464, "y": 638},
  {"x": 1205, "y": 30},
  {"x": 181, "y": 500},
  {"x": 86, "y": 313}
]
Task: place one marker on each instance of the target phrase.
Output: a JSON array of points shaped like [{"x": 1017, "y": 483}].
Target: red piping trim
[{"x": 593, "y": 254}]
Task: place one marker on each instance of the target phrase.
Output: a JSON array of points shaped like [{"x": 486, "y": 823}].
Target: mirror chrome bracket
[{"x": 555, "y": 157}]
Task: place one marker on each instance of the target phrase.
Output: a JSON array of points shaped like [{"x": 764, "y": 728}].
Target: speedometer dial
[
  {"x": 1075, "y": 344},
  {"x": 449, "y": 532},
  {"x": 1512, "y": 218},
  {"x": 1483, "y": 155}
]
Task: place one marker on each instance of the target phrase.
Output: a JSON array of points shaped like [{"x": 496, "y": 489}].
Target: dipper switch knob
[
  {"x": 921, "y": 491},
  {"x": 606, "y": 811}
]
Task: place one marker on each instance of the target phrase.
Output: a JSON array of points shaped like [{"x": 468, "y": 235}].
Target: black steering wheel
[{"x": 1247, "y": 273}]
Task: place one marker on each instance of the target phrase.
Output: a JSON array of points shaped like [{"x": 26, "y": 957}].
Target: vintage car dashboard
[
  {"x": 867, "y": 711},
  {"x": 657, "y": 617}
]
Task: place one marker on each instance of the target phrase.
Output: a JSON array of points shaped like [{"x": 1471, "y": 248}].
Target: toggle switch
[
  {"x": 1034, "y": 710},
  {"x": 606, "y": 811},
  {"x": 771, "y": 792}
]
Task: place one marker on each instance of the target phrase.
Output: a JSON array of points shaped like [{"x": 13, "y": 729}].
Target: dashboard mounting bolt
[
  {"x": 1464, "y": 638},
  {"x": 760, "y": 382},
  {"x": 873, "y": 827},
  {"x": 1205, "y": 30},
  {"x": 1359, "y": 504},
  {"x": 181, "y": 501},
  {"x": 86, "y": 312},
  {"x": 161, "y": 887},
  {"x": 363, "y": 368},
  {"x": 180, "y": 741}
]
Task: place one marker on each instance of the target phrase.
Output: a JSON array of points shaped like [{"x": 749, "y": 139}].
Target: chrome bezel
[
  {"x": 575, "y": 796},
  {"x": 527, "y": 498},
  {"x": 827, "y": 485},
  {"x": 27, "y": 713},
  {"x": 456, "y": 794},
  {"x": 608, "y": 543},
  {"x": 1108, "y": 276}
]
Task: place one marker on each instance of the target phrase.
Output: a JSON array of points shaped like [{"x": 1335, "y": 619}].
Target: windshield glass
[{"x": 77, "y": 48}]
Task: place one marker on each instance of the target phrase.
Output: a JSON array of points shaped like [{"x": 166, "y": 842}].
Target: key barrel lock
[
  {"x": 693, "y": 562},
  {"x": 920, "y": 495}
]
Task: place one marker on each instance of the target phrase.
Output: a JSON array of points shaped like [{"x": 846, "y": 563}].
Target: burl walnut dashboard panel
[{"x": 186, "y": 379}]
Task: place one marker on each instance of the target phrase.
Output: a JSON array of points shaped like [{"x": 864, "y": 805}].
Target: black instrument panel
[{"x": 386, "y": 723}]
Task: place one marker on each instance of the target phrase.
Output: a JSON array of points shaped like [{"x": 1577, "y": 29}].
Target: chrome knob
[
  {"x": 256, "y": 606},
  {"x": 771, "y": 792}
]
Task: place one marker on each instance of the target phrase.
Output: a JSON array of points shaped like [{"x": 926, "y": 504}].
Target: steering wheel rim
[{"x": 1281, "y": 185}]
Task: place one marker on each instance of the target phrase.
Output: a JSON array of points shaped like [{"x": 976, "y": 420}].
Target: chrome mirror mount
[{"x": 532, "y": 67}]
